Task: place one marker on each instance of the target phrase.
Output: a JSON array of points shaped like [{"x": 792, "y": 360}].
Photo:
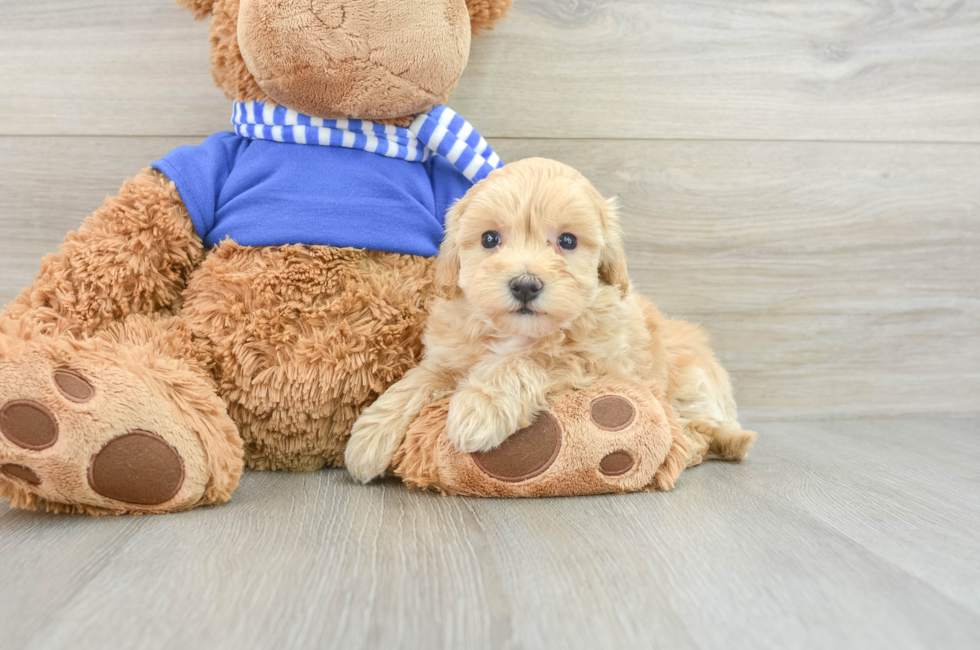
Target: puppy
[{"x": 536, "y": 300}]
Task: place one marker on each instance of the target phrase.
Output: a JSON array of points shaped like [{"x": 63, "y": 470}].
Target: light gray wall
[{"x": 801, "y": 178}]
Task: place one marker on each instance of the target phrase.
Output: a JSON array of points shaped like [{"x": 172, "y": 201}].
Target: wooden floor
[
  {"x": 846, "y": 534},
  {"x": 801, "y": 177}
]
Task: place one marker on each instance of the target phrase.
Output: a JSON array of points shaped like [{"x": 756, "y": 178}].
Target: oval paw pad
[
  {"x": 612, "y": 412},
  {"x": 21, "y": 472},
  {"x": 139, "y": 467},
  {"x": 616, "y": 464},
  {"x": 28, "y": 425},
  {"x": 73, "y": 386},
  {"x": 525, "y": 454}
]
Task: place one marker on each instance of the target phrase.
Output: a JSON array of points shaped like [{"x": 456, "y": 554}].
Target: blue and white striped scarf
[{"x": 441, "y": 131}]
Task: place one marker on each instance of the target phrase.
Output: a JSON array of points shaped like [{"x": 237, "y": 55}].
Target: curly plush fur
[
  {"x": 304, "y": 337},
  {"x": 133, "y": 256}
]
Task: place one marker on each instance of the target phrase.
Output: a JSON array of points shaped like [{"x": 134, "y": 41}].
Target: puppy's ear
[
  {"x": 201, "y": 8},
  {"x": 446, "y": 278},
  {"x": 612, "y": 259},
  {"x": 484, "y": 14}
]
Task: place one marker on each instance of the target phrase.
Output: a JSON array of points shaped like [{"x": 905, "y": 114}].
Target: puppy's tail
[{"x": 724, "y": 440}]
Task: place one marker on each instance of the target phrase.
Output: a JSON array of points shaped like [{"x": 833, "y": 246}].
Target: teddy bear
[{"x": 238, "y": 303}]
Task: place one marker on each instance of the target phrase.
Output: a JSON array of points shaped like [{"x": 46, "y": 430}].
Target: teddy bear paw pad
[
  {"x": 28, "y": 424},
  {"x": 73, "y": 386},
  {"x": 612, "y": 412},
  {"x": 139, "y": 468},
  {"x": 21, "y": 472},
  {"x": 525, "y": 454},
  {"x": 616, "y": 463}
]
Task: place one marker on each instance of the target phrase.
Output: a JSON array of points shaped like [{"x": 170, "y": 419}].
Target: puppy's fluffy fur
[{"x": 501, "y": 358}]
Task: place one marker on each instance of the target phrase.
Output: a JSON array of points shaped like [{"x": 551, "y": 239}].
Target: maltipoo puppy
[{"x": 536, "y": 300}]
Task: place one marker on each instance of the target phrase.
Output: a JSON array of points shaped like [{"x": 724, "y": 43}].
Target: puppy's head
[{"x": 530, "y": 248}]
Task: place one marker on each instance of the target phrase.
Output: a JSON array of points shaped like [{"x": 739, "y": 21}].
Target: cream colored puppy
[{"x": 537, "y": 301}]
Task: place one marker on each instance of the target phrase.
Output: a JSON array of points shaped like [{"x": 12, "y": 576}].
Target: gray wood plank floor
[{"x": 838, "y": 534}]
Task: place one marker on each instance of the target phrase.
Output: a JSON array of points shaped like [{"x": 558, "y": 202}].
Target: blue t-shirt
[{"x": 266, "y": 193}]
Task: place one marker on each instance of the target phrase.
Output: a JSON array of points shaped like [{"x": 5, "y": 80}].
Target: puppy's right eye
[{"x": 490, "y": 239}]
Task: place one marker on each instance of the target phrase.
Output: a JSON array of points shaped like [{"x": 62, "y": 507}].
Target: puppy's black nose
[{"x": 526, "y": 288}]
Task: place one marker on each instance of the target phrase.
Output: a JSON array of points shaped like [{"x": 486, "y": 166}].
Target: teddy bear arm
[{"x": 132, "y": 256}]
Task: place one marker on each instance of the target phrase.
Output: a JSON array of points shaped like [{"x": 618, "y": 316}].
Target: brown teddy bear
[{"x": 240, "y": 302}]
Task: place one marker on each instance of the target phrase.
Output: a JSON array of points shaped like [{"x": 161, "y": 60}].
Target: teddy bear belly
[{"x": 304, "y": 338}]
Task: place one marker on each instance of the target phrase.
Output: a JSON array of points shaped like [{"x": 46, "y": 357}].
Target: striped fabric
[{"x": 441, "y": 131}]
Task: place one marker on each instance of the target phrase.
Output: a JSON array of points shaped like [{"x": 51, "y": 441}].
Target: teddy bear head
[{"x": 364, "y": 59}]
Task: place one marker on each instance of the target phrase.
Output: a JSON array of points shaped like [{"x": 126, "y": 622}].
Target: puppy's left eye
[
  {"x": 490, "y": 239},
  {"x": 567, "y": 241}
]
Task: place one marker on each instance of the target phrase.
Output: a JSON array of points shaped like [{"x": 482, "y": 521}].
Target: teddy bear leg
[
  {"x": 127, "y": 421},
  {"x": 106, "y": 400},
  {"x": 614, "y": 436}
]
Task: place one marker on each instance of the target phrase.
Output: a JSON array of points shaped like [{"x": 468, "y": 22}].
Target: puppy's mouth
[{"x": 526, "y": 311}]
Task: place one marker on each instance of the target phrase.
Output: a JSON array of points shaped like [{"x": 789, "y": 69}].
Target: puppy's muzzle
[{"x": 526, "y": 288}]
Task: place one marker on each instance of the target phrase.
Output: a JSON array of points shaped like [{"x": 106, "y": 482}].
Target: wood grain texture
[
  {"x": 849, "y": 534},
  {"x": 798, "y": 70},
  {"x": 835, "y": 279}
]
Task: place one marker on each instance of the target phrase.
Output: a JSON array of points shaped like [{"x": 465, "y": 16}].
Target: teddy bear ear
[
  {"x": 485, "y": 14},
  {"x": 200, "y": 8}
]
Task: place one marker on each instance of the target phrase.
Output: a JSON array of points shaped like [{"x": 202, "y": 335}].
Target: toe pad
[
  {"x": 616, "y": 463},
  {"x": 612, "y": 412},
  {"x": 28, "y": 424},
  {"x": 21, "y": 472},
  {"x": 73, "y": 386}
]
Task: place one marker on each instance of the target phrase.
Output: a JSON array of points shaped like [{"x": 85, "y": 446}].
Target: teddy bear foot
[
  {"x": 82, "y": 431},
  {"x": 612, "y": 437}
]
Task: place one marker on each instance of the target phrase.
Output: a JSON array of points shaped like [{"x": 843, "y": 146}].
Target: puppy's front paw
[
  {"x": 476, "y": 423},
  {"x": 370, "y": 449}
]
